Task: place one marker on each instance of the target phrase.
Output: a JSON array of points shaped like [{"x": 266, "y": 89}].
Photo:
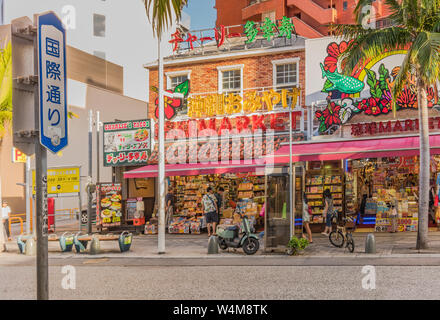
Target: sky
[{"x": 202, "y": 12}]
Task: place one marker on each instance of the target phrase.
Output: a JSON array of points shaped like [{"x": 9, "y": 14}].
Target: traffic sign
[{"x": 52, "y": 82}]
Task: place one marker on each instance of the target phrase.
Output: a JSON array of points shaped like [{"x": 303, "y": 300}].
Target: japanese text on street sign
[
  {"x": 127, "y": 142},
  {"x": 268, "y": 29},
  {"x": 61, "y": 180},
  {"x": 52, "y": 82}
]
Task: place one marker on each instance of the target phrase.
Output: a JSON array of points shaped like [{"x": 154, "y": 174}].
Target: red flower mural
[
  {"x": 407, "y": 99},
  {"x": 334, "y": 51},
  {"x": 170, "y": 106},
  {"x": 331, "y": 114}
]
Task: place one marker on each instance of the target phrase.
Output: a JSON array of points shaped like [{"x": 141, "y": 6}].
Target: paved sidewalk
[{"x": 196, "y": 246}]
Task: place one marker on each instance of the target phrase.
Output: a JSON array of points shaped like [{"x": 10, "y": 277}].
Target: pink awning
[
  {"x": 307, "y": 151},
  {"x": 355, "y": 149},
  {"x": 192, "y": 169}
]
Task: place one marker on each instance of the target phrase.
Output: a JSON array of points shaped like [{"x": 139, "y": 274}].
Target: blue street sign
[{"x": 52, "y": 82}]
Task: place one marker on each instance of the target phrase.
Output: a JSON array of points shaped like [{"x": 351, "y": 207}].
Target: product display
[{"x": 243, "y": 193}]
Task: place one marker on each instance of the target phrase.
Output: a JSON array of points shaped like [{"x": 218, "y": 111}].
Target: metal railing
[{"x": 19, "y": 220}]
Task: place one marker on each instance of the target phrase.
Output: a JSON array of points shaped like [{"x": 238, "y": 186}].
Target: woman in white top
[{"x": 306, "y": 219}]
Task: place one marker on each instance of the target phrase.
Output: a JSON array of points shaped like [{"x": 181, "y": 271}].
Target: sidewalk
[{"x": 196, "y": 246}]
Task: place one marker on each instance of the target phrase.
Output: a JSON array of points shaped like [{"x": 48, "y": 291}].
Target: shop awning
[
  {"x": 355, "y": 149},
  {"x": 192, "y": 169},
  {"x": 308, "y": 151}
]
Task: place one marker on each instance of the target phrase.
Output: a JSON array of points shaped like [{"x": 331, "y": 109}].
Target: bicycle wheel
[
  {"x": 336, "y": 238},
  {"x": 350, "y": 242}
]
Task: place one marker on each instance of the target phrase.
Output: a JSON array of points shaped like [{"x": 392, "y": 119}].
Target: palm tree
[
  {"x": 162, "y": 14},
  {"x": 415, "y": 24},
  {"x": 5, "y": 88}
]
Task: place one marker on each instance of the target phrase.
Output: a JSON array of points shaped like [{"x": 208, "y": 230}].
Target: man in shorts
[{"x": 210, "y": 208}]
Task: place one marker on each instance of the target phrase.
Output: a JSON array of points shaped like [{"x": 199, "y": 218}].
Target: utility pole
[
  {"x": 89, "y": 176},
  {"x": 27, "y": 194},
  {"x": 98, "y": 126},
  {"x": 161, "y": 175}
]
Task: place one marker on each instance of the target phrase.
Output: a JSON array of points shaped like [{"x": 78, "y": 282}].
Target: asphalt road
[{"x": 97, "y": 280}]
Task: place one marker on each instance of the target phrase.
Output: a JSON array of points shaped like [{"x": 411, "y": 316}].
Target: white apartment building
[{"x": 116, "y": 30}]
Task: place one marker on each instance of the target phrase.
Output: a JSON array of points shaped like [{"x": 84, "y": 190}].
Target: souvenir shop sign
[
  {"x": 127, "y": 142},
  {"x": 108, "y": 204},
  {"x": 277, "y": 122},
  {"x": 283, "y": 28},
  {"x": 233, "y": 103},
  {"x": 391, "y": 127}
]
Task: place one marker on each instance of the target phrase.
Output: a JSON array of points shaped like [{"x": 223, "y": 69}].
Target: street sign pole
[
  {"x": 89, "y": 177},
  {"x": 40, "y": 196}
]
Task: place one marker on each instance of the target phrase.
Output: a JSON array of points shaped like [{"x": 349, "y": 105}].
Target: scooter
[{"x": 230, "y": 238}]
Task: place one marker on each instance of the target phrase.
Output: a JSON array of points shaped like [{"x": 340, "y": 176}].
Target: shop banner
[
  {"x": 60, "y": 180},
  {"x": 109, "y": 204},
  {"x": 127, "y": 142}
]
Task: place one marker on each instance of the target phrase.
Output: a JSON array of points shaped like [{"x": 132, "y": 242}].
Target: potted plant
[{"x": 296, "y": 246}]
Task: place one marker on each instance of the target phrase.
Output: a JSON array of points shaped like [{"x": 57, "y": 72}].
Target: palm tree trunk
[{"x": 424, "y": 168}]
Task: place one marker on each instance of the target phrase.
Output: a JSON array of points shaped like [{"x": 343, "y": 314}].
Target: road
[{"x": 120, "y": 279}]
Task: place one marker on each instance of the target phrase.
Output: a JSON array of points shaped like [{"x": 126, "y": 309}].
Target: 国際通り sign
[
  {"x": 52, "y": 82},
  {"x": 127, "y": 142}
]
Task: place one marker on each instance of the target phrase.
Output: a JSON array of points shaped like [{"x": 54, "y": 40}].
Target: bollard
[
  {"x": 370, "y": 244},
  {"x": 95, "y": 246},
  {"x": 31, "y": 248},
  {"x": 213, "y": 245}
]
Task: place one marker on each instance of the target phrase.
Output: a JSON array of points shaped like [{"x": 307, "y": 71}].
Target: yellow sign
[
  {"x": 60, "y": 180},
  {"x": 18, "y": 156},
  {"x": 227, "y": 104}
]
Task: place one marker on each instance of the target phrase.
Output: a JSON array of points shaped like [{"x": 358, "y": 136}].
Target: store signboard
[
  {"x": 18, "y": 156},
  {"x": 61, "y": 180},
  {"x": 127, "y": 143},
  {"x": 109, "y": 204},
  {"x": 365, "y": 93},
  {"x": 251, "y": 31}
]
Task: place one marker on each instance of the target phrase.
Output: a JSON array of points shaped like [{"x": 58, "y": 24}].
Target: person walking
[
  {"x": 169, "y": 209},
  {"x": 210, "y": 208},
  {"x": 219, "y": 195},
  {"x": 6, "y": 212},
  {"x": 328, "y": 211},
  {"x": 306, "y": 218}
]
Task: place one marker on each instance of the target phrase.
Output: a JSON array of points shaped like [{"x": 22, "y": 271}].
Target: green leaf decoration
[
  {"x": 327, "y": 85},
  {"x": 182, "y": 88},
  {"x": 375, "y": 90},
  {"x": 322, "y": 127},
  {"x": 384, "y": 74}
]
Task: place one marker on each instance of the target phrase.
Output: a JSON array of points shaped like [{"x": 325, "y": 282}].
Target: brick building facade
[{"x": 258, "y": 71}]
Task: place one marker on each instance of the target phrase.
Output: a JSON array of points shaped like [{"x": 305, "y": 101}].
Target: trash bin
[
  {"x": 125, "y": 240},
  {"x": 66, "y": 242}
]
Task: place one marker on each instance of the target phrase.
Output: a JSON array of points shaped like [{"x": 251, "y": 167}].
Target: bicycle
[{"x": 343, "y": 235}]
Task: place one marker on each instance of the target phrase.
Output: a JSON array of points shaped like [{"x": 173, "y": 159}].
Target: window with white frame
[
  {"x": 230, "y": 79},
  {"x": 173, "y": 80},
  {"x": 285, "y": 75}
]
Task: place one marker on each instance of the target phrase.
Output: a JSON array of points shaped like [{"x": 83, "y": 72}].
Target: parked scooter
[{"x": 231, "y": 238}]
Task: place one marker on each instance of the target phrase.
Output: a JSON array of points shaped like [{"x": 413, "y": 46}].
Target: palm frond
[
  {"x": 402, "y": 77},
  {"x": 160, "y": 13},
  {"x": 371, "y": 43},
  {"x": 427, "y": 55}
]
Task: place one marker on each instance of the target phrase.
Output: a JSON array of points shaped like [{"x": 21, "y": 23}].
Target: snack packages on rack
[{"x": 150, "y": 228}]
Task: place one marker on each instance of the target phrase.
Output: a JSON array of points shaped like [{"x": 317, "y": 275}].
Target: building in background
[
  {"x": 309, "y": 16},
  {"x": 94, "y": 84},
  {"x": 116, "y": 31}
]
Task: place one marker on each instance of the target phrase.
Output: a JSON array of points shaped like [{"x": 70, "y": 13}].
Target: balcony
[
  {"x": 256, "y": 7},
  {"x": 312, "y": 9}
]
